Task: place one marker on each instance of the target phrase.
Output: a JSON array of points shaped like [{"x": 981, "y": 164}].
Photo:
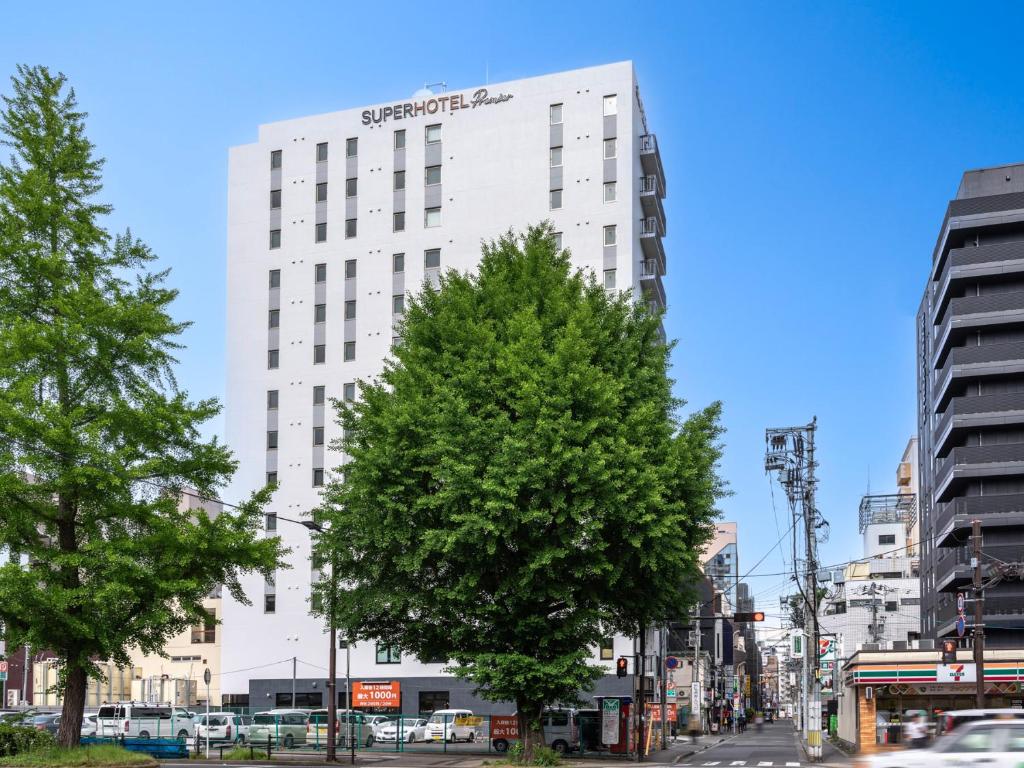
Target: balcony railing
[
  {"x": 964, "y": 308},
  {"x": 1003, "y": 402},
  {"x": 650, "y": 158},
  {"x": 977, "y": 454},
  {"x": 651, "y": 227},
  {"x": 956, "y": 515},
  {"x": 974, "y": 256},
  {"x": 651, "y": 185},
  {"x": 986, "y": 353},
  {"x": 649, "y": 268}
]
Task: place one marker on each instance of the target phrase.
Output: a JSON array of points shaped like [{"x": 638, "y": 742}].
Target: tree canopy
[
  {"x": 518, "y": 483},
  {"x": 97, "y": 442}
]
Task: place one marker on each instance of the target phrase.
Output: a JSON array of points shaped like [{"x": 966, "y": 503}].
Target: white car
[
  {"x": 997, "y": 743},
  {"x": 138, "y": 720},
  {"x": 89, "y": 724},
  {"x": 453, "y": 725},
  {"x": 409, "y": 729},
  {"x": 222, "y": 726}
]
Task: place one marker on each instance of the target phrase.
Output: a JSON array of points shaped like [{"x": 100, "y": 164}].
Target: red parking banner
[{"x": 504, "y": 727}]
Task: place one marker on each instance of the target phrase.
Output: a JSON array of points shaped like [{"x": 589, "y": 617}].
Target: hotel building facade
[{"x": 333, "y": 220}]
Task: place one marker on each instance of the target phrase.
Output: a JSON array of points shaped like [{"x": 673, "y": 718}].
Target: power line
[{"x": 250, "y": 669}]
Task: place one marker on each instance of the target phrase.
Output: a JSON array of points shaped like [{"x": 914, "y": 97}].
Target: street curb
[{"x": 702, "y": 749}]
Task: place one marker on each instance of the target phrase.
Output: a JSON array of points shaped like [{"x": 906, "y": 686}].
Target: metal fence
[{"x": 296, "y": 731}]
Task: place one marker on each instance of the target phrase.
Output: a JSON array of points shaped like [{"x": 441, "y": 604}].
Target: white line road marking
[
  {"x": 792, "y": 765},
  {"x": 717, "y": 762},
  {"x": 763, "y": 765},
  {"x": 738, "y": 762}
]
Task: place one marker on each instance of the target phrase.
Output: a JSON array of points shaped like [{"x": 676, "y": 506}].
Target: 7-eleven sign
[
  {"x": 956, "y": 673},
  {"x": 826, "y": 648}
]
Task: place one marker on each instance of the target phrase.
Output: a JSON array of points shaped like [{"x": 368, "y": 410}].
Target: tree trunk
[
  {"x": 70, "y": 731},
  {"x": 531, "y": 735}
]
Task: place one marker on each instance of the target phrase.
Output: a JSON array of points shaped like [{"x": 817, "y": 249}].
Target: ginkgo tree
[
  {"x": 97, "y": 442},
  {"x": 519, "y": 482}
]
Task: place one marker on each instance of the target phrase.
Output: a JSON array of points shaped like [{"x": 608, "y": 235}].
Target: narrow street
[{"x": 775, "y": 746}]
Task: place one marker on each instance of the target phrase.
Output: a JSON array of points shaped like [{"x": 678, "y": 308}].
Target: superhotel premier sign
[{"x": 432, "y": 106}]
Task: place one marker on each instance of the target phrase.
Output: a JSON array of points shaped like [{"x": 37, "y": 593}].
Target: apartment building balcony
[
  {"x": 651, "y": 284},
  {"x": 954, "y": 578},
  {"x": 651, "y": 193},
  {"x": 974, "y": 462},
  {"x": 953, "y": 519},
  {"x": 977, "y": 361},
  {"x": 976, "y": 263},
  {"x": 968, "y": 215},
  {"x": 650, "y": 158},
  {"x": 964, "y": 413},
  {"x": 651, "y": 231},
  {"x": 969, "y": 313},
  {"x": 999, "y": 612}
]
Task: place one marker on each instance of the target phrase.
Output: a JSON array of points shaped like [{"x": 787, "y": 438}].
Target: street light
[{"x": 332, "y": 700}]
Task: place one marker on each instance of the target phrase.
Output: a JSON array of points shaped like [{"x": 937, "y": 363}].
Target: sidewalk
[
  {"x": 831, "y": 755},
  {"x": 675, "y": 752}
]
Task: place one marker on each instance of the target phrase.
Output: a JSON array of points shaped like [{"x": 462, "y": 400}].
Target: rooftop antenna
[{"x": 442, "y": 83}]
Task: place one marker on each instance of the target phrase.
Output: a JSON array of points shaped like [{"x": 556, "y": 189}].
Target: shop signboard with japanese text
[
  {"x": 377, "y": 694},
  {"x": 610, "y": 721}
]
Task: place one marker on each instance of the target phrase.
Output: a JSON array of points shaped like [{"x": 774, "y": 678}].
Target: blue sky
[{"x": 810, "y": 149}]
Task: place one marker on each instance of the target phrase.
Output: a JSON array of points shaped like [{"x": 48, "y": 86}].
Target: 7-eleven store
[{"x": 880, "y": 687}]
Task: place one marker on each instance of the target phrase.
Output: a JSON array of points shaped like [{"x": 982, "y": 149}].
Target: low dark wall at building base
[{"x": 263, "y": 693}]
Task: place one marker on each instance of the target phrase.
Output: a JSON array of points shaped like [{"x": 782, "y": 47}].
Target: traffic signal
[
  {"x": 621, "y": 666},
  {"x": 755, "y": 616},
  {"x": 949, "y": 651}
]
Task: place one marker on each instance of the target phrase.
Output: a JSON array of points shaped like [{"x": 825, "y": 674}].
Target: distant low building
[{"x": 877, "y": 599}]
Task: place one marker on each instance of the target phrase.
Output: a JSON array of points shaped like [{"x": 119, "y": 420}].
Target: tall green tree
[
  {"x": 517, "y": 479},
  {"x": 96, "y": 439}
]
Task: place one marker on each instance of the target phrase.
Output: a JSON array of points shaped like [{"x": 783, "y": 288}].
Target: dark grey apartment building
[{"x": 970, "y": 375}]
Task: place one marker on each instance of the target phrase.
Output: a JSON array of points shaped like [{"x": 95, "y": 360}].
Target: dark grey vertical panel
[
  {"x": 609, "y": 169},
  {"x": 609, "y": 126},
  {"x": 610, "y": 256},
  {"x": 555, "y": 136}
]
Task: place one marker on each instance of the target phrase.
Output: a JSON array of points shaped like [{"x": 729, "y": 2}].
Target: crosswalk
[{"x": 748, "y": 764}]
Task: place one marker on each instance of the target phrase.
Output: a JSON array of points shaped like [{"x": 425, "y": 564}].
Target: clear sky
[{"x": 810, "y": 150}]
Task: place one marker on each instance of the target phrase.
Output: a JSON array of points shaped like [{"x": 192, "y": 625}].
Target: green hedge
[{"x": 16, "y": 739}]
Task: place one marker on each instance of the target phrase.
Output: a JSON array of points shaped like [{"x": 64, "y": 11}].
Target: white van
[
  {"x": 453, "y": 725},
  {"x": 138, "y": 720}
]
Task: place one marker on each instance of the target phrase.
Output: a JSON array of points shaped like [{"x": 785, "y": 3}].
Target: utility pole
[
  {"x": 294, "y": 660},
  {"x": 663, "y": 672},
  {"x": 790, "y": 453},
  {"x": 696, "y": 715},
  {"x": 641, "y": 703},
  {"x": 979, "y": 614}
]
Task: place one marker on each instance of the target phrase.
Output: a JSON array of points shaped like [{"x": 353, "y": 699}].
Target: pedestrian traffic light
[
  {"x": 755, "y": 616},
  {"x": 949, "y": 651},
  {"x": 621, "y": 666}
]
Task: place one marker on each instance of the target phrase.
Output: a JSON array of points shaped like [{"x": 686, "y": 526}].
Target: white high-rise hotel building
[{"x": 332, "y": 220}]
